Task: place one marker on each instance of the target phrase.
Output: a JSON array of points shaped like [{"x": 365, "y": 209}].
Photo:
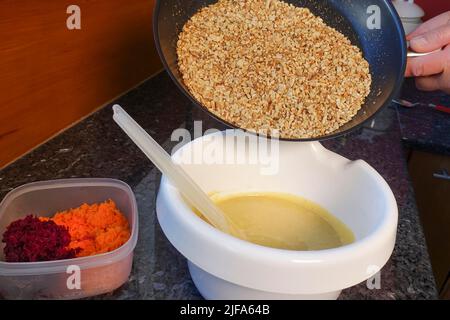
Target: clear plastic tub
[{"x": 59, "y": 279}]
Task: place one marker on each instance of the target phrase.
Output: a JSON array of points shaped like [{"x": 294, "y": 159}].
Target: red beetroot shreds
[{"x": 31, "y": 240}]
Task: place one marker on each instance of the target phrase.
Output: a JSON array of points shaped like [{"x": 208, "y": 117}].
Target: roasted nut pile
[{"x": 265, "y": 64}]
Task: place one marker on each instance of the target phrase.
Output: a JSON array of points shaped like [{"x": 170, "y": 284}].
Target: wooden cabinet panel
[
  {"x": 51, "y": 77},
  {"x": 433, "y": 199},
  {"x": 446, "y": 291}
]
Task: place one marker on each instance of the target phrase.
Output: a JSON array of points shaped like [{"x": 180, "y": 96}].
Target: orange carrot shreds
[{"x": 96, "y": 228}]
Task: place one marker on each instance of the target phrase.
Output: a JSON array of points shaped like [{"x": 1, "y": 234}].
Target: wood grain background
[{"x": 51, "y": 77}]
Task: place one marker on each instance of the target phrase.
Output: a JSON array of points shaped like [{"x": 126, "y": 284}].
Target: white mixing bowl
[{"x": 224, "y": 267}]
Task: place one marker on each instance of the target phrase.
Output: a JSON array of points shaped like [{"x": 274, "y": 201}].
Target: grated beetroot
[{"x": 32, "y": 240}]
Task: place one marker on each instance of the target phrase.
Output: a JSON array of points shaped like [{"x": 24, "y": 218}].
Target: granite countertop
[
  {"x": 96, "y": 147},
  {"x": 421, "y": 127}
]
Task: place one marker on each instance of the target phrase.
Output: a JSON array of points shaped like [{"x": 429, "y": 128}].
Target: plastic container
[{"x": 59, "y": 279}]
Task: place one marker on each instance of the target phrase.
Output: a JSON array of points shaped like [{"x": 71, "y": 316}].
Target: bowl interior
[{"x": 351, "y": 191}]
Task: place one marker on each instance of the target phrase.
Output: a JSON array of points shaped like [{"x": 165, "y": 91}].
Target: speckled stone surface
[
  {"x": 422, "y": 127},
  {"x": 97, "y": 148}
]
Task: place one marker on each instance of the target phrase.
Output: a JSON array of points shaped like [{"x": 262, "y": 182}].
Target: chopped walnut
[{"x": 267, "y": 64}]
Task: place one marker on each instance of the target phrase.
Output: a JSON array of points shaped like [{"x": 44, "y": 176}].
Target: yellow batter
[{"x": 283, "y": 221}]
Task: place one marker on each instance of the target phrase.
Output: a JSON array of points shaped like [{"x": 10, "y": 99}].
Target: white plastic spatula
[{"x": 175, "y": 173}]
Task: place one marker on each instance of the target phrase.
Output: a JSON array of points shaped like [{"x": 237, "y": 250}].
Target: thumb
[{"x": 433, "y": 40}]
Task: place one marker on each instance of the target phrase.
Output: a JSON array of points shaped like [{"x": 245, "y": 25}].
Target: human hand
[{"x": 432, "y": 72}]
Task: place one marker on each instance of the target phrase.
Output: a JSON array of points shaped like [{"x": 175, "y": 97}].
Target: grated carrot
[{"x": 95, "y": 229}]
